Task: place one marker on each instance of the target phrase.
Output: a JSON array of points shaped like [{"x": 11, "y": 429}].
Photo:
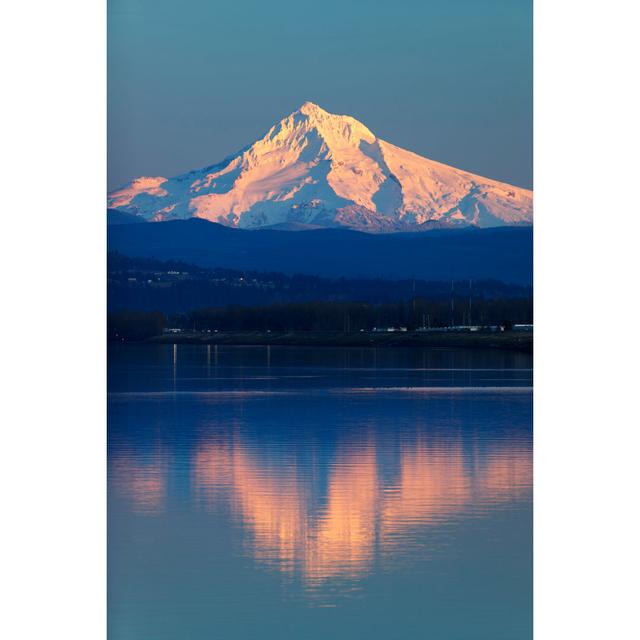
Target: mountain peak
[
  {"x": 335, "y": 130},
  {"x": 322, "y": 169},
  {"x": 311, "y": 108}
]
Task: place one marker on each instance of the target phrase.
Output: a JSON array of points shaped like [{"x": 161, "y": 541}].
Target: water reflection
[
  {"x": 328, "y": 522},
  {"x": 267, "y": 497},
  {"x": 317, "y": 493},
  {"x": 141, "y": 479}
]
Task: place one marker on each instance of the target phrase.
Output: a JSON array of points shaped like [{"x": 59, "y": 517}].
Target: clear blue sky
[{"x": 191, "y": 81}]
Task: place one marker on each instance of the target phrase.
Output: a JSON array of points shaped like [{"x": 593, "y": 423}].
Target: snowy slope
[{"x": 317, "y": 168}]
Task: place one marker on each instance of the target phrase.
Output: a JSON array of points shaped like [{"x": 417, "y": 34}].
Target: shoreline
[{"x": 508, "y": 340}]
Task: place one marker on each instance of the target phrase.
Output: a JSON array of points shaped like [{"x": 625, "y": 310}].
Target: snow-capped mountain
[{"x": 319, "y": 169}]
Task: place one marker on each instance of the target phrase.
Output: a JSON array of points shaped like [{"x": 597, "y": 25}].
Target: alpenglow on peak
[
  {"x": 319, "y": 169},
  {"x": 309, "y": 107}
]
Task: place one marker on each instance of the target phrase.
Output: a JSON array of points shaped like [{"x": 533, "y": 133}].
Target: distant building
[
  {"x": 465, "y": 327},
  {"x": 388, "y": 329}
]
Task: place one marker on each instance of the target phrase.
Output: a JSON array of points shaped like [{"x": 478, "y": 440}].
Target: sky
[{"x": 192, "y": 81}]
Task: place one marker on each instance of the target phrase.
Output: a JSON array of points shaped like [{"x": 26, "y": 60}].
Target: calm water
[{"x": 310, "y": 493}]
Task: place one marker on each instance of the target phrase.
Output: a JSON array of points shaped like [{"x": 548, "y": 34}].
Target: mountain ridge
[{"x": 500, "y": 253}]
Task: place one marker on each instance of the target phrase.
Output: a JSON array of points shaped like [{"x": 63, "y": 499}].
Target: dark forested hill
[{"x": 503, "y": 253}]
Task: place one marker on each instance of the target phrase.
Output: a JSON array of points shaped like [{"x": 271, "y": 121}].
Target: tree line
[
  {"x": 144, "y": 284},
  {"x": 346, "y": 317}
]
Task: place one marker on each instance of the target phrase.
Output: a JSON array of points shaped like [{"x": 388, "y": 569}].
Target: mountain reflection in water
[
  {"x": 362, "y": 512},
  {"x": 319, "y": 493}
]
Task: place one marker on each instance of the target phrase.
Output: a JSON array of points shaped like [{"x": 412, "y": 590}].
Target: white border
[
  {"x": 53, "y": 320},
  {"x": 586, "y": 354}
]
